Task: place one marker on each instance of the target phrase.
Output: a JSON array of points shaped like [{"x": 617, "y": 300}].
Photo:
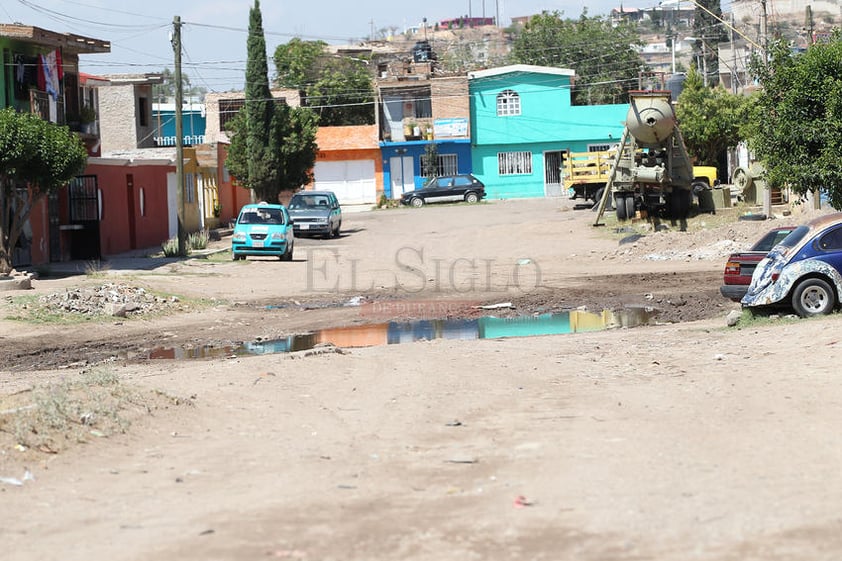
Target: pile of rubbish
[{"x": 119, "y": 300}]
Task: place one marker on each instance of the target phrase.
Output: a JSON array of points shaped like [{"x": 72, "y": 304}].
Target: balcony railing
[{"x": 39, "y": 103}]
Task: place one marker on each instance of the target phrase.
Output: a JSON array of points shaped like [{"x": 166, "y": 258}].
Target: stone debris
[{"x": 118, "y": 300}]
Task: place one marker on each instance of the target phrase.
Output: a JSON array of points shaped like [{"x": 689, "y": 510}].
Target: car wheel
[
  {"x": 287, "y": 255},
  {"x": 417, "y": 202},
  {"x": 813, "y": 297},
  {"x": 336, "y": 231},
  {"x": 471, "y": 197}
]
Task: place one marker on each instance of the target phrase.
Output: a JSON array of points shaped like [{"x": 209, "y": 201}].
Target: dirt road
[{"x": 684, "y": 440}]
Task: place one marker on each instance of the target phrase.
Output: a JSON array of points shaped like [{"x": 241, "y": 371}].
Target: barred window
[
  {"x": 514, "y": 163},
  {"x": 447, "y": 165},
  {"x": 508, "y": 103},
  {"x": 599, "y": 147},
  {"x": 189, "y": 188},
  {"x": 228, "y": 109}
]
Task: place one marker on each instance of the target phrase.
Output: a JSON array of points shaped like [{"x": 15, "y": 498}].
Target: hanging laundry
[{"x": 51, "y": 80}]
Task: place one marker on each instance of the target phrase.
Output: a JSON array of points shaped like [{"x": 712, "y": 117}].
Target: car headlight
[
  {"x": 239, "y": 237},
  {"x": 277, "y": 235}
]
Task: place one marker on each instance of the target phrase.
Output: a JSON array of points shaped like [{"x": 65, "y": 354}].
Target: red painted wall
[
  {"x": 40, "y": 222},
  {"x": 122, "y": 207}
]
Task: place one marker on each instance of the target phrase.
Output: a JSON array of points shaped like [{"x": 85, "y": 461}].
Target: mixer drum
[{"x": 651, "y": 119}]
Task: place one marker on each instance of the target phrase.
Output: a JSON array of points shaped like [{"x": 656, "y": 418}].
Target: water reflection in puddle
[{"x": 394, "y": 332}]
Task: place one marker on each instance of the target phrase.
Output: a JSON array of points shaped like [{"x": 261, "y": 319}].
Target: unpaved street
[{"x": 685, "y": 440}]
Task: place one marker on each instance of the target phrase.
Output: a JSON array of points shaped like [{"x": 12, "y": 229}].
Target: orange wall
[
  {"x": 231, "y": 197},
  {"x": 366, "y": 154}
]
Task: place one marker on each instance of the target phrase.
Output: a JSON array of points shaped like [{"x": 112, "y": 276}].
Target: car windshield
[
  {"x": 261, "y": 216},
  {"x": 309, "y": 201}
]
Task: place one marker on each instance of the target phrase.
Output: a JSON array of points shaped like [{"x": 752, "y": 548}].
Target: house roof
[
  {"x": 86, "y": 79},
  {"x": 134, "y": 79},
  {"x": 67, "y": 41},
  {"x": 359, "y": 137},
  {"x": 511, "y": 69}
]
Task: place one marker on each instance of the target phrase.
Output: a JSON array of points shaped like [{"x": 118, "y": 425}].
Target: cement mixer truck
[{"x": 651, "y": 172}]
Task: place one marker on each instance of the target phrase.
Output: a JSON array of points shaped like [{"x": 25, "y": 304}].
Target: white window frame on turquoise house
[
  {"x": 514, "y": 163},
  {"x": 508, "y": 103}
]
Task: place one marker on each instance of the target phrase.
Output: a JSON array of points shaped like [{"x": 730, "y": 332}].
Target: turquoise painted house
[{"x": 522, "y": 124}]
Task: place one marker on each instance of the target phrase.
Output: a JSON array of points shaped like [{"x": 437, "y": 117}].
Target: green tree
[
  {"x": 799, "y": 133},
  {"x": 337, "y": 88},
  {"x": 297, "y": 62},
  {"x": 273, "y": 146},
  {"x": 165, "y": 91},
  {"x": 603, "y": 55},
  {"x": 262, "y": 144},
  {"x": 431, "y": 160},
  {"x": 709, "y": 32},
  {"x": 297, "y": 127},
  {"x": 36, "y": 158},
  {"x": 711, "y": 119}
]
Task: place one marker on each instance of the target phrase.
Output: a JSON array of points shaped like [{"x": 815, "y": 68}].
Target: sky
[{"x": 214, "y": 32}]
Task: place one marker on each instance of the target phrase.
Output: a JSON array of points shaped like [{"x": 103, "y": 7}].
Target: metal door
[
  {"x": 552, "y": 174},
  {"x": 403, "y": 175}
]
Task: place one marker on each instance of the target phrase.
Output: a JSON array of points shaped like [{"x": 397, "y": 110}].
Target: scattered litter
[
  {"x": 462, "y": 460},
  {"x": 521, "y": 501},
  {"x": 454, "y": 423},
  {"x": 356, "y": 301},
  {"x": 27, "y": 476},
  {"x": 499, "y": 306},
  {"x": 524, "y": 261}
]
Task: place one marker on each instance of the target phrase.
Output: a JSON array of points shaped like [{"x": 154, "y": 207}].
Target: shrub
[
  {"x": 198, "y": 240},
  {"x": 170, "y": 248}
]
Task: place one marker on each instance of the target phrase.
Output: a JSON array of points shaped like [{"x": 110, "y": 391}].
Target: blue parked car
[
  {"x": 263, "y": 229},
  {"x": 803, "y": 271}
]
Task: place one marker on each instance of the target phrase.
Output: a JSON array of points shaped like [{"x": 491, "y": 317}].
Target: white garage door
[{"x": 351, "y": 180}]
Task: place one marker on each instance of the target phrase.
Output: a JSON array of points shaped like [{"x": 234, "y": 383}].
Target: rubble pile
[{"x": 119, "y": 300}]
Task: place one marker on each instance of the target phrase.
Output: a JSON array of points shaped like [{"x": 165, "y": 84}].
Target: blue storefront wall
[
  {"x": 193, "y": 122},
  {"x": 415, "y": 149},
  {"x": 546, "y": 123}
]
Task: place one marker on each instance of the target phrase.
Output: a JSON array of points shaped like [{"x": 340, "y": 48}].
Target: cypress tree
[{"x": 261, "y": 139}]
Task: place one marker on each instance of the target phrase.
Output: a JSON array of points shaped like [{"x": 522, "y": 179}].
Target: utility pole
[
  {"x": 733, "y": 57},
  {"x": 764, "y": 42},
  {"x": 809, "y": 22},
  {"x": 179, "y": 137}
]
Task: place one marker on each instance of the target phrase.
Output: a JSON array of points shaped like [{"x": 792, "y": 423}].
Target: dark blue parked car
[{"x": 803, "y": 271}]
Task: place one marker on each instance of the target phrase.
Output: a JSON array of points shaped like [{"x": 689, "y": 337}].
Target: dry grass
[{"x": 95, "y": 403}]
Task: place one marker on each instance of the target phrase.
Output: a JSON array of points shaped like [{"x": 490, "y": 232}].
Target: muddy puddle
[{"x": 397, "y": 332}]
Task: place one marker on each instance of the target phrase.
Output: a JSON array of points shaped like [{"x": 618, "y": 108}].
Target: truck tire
[
  {"x": 629, "y": 202},
  {"x": 598, "y": 197},
  {"x": 621, "y": 209}
]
